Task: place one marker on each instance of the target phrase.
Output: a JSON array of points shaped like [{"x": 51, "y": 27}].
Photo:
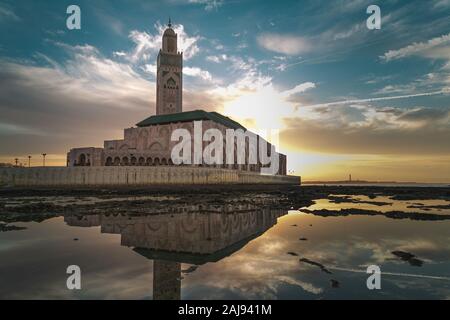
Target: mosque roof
[{"x": 189, "y": 116}]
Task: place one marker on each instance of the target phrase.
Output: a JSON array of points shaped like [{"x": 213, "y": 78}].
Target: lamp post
[
  {"x": 29, "y": 161},
  {"x": 17, "y": 161},
  {"x": 43, "y": 161}
]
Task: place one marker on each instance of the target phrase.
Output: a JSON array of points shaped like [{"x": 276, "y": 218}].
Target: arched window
[
  {"x": 164, "y": 162},
  {"x": 133, "y": 161},
  {"x": 124, "y": 161},
  {"x": 108, "y": 161},
  {"x": 142, "y": 161},
  {"x": 171, "y": 84},
  {"x": 82, "y": 160},
  {"x": 117, "y": 161},
  {"x": 149, "y": 162},
  {"x": 156, "y": 163}
]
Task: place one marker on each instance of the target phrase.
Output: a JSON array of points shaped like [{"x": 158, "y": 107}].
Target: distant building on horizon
[{"x": 149, "y": 143}]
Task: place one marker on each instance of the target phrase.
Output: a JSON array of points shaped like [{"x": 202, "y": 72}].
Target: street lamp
[
  {"x": 29, "y": 161},
  {"x": 17, "y": 161},
  {"x": 43, "y": 161}
]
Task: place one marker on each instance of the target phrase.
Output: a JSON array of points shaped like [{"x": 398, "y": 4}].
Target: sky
[{"x": 346, "y": 100}]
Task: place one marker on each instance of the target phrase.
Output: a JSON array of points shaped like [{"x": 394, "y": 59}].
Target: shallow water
[
  {"x": 244, "y": 255},
  {"x": 366, "y": 203}
]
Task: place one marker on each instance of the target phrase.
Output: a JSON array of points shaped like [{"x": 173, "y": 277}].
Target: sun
[{"x": 264, "y": 108}]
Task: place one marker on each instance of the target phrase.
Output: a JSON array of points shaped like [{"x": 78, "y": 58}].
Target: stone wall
[{"x": 133, "y": 176}]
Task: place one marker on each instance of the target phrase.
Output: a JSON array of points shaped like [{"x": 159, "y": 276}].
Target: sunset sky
[{"x": 346, "y": 99}]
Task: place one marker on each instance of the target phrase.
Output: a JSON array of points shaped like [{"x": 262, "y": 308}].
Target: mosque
[{"x": 149, "y": 142}]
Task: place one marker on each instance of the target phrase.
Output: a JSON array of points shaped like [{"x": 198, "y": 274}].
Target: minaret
[{"x": 169, "y": 76}]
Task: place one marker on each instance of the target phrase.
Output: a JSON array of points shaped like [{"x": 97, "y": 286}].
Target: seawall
[{"x": 134, "y": 176}]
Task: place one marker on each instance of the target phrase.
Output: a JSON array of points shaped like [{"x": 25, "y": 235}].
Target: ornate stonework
[{"x": 169, "y": 75}]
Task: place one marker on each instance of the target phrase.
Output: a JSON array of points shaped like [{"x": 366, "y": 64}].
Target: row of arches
[
  {"x": 137, "y": 161},
  {"x": 84, "y": 160},
  {"x": 141, "y": 161}
]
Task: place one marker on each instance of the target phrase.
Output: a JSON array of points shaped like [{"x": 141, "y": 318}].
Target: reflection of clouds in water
[
  {"x": 419, "y": 287},
  {"x": 304, "y": 285},
  {"x": 397, "y": 274},
  {"x": 343, "y": 242},
  {"x": 108, "y": 270},
  {"x": 252, "y": 273},
  {"x": 261, "y": 269},
  {"x": 272, "y": 247},
  {"x": 125, "y": 283}
]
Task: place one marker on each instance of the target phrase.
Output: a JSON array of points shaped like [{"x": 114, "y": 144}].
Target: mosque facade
[{"x": 149, "y": 142}]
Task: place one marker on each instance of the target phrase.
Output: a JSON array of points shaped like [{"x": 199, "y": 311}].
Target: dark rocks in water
[
  {"x": 348, "y": 199},
  {"x": 334, "y": 283},
  {"x": 189, "y": 270},
  {"x": 25, "y": 216},
  {"x": 75, "y": 239},
  {"x": 294, "y": 225},
  {"x": 6, "y": 227},
  {"x": 292, "y": 253},
  {"x": 430, "y": 207},
  {"x": 389, "y": 214},
  {"x": 310, "y": 225},
  {"x": 415, "y": 262},
  {"x": 408, "y": 257},
  {"x": 317, "y": 264},
  {"x": 39, "y": 207},
  {"x": 403, "y": 255},
  {"x": 303, "y": 239}
]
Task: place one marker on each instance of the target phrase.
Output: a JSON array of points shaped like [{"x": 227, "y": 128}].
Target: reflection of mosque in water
[{"x": 192, "y": 237}]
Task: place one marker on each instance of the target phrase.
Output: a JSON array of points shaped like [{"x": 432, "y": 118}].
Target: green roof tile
[{"x": 189, "y": 116}]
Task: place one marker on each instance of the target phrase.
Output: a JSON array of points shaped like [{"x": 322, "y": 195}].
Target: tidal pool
[{"x": 249, "y": 252}]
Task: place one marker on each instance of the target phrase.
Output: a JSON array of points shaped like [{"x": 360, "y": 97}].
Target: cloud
[
  {"x": 299, "y": 88},
  {"x": 208, "y": 4},
  {"x": 365, "y": 129},
  {"x": 197, "y": 72},
  {"x": 119, "y": 54},
  {"x": 405, "y": 89},
  {"x": 81, "y": 102},
  {"x": 425, "y": 114},
  {"x": 217, "y": 58},
  {"x": 150, "y": 68},
  {"x": 444, "y": 91},
  {"x": 419, "y": 48},
  {"x": 7, "y": 14},
  {"x": 441, "y": 4},
  {"x": 349, "y": 32},
  {"x": 285, "y": 44}
]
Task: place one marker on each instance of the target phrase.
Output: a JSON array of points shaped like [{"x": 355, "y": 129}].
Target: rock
[
  {"x": 334, "y": 283},
  {"x": 321, "y": 266},
  {"x": 408, "y": 257}
]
